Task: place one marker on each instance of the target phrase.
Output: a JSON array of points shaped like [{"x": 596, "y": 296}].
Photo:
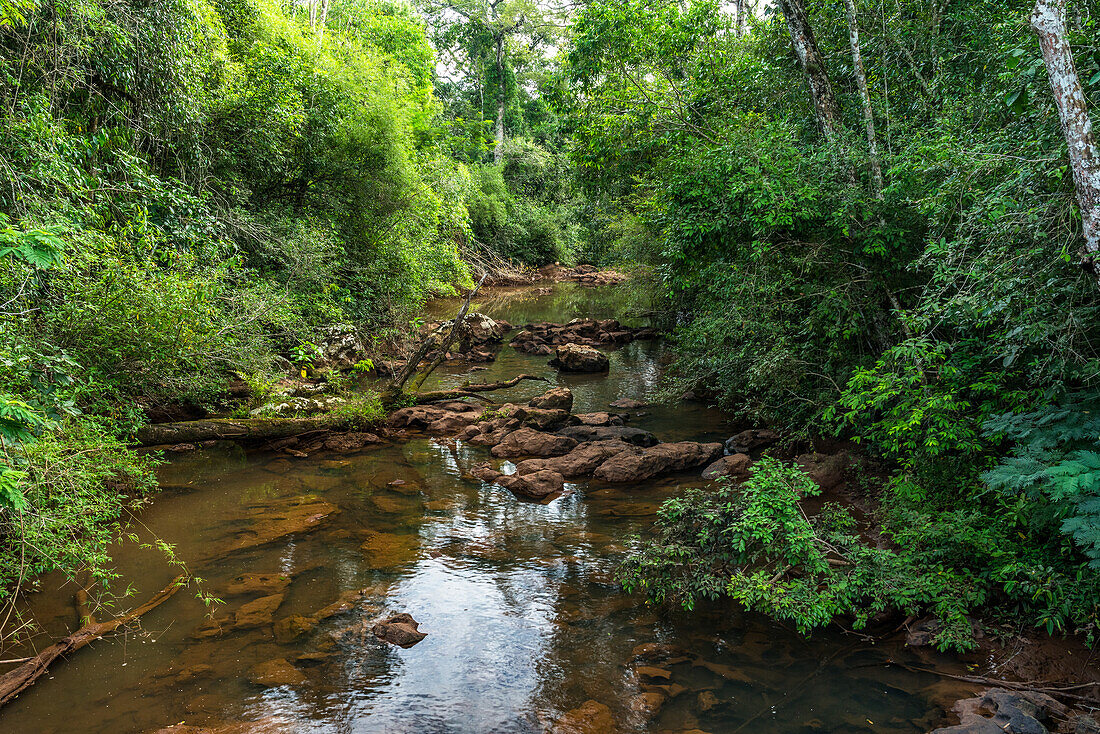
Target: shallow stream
[{"x": 523, "y": 616}]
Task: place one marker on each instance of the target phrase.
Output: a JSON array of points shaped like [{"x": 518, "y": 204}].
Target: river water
[{"x": 523, "y": 615}]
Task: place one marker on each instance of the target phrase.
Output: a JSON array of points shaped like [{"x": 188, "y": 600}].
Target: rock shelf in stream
[
  {"x": 552, "y": 444},
  {"x": 542, "y": 337}
]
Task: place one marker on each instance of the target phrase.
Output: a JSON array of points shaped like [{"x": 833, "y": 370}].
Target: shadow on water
[{"x": 523, "y": 617}]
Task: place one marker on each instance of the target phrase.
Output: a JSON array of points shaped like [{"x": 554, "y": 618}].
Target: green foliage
[
  {"x": 754, "y": 544},
  {"x": 1056, "y": 465}
]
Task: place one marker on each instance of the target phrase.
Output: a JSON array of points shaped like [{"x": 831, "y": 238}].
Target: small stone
[
  {"x": 400, "y": 629},
  {"x": 275, "y": 673}
]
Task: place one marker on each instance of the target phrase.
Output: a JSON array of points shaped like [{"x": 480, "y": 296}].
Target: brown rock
[
  {"x": 274, "y": 673},
  {"x": 654, "y": 651},
  {"x": 529, "y": 442},
  {"x": 579, "y": 358},
  {"x": 538, "y": 485},
  {"x": 648, "y": 704},
  {"x": 827, "y": 470},
  {"x": 257, "y": 613},
  {"x": 270, "y": 521},
  {"x": 351, "y": 441},
  {"x": 257, "y": 583},
  {"x": 291, "y": 628},
  {"x": 637, "y": 465},
  {"x": 579, "y": 462},
  {"x": 628, "y": 404},
  {"x": 706, "y": 700},
  {"x": 400, "y": 629},
  {"x": 388, "y": 550},
  {"x": 591, "y": 717},
  {"x": 559, "y": 398},
  {"x": 636, "y": 436},
  {"x": 486, "y": 473},
  {"x": 750, "y": 440},
  {"x": 542, "y": 419},
  {"x": 735, "y": 465},
  {"x": 599, "y": 419},
  {"x": 650, "y": 671}
]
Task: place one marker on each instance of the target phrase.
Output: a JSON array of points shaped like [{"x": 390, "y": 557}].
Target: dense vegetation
[
  {"x": 942, "y": 320},
  {"x": 192, "y": 187}
]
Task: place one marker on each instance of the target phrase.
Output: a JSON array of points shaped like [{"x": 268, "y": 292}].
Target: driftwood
[
  {"x": 471, "y": 391},
  {"x": 426, "y": 346},
  {"x": 16, "y": 681},
  {"x": 247, "y": 429},
  {"x": 1050, "y": 689}
]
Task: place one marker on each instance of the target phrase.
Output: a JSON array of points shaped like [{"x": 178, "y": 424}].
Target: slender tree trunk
[
  {"x": 323, "y": 19},
  {"x": 498, "y": 150},
  {"x": 1049, "y": 21},
  {"x": 740, "y": 24},
  {"x": 865, "y": 94},
  {"x": 813, "y": 66}
]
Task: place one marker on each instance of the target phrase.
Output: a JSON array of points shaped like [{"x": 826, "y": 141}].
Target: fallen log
[
  {"x": 468, "y": 391},
  {"x": 248, "y": 429},
  {"x": 16, "y": 681}
]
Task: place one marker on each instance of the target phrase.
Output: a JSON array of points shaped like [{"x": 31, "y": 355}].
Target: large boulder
[
  {"x": 341, "y": 347},
  {"x": 478, "y": 330},
  {"x": 734, "y": 465},
  {"x": 529, "y": 442},
  {"x": 585, "y": 434},
  {"x": 637, "y": 465},
  {"x": 537, "y": 485},
  {"x": 580, "y": 462},
  {"x": 558, "y": 398},
  {"x": 579, "y": 358}
]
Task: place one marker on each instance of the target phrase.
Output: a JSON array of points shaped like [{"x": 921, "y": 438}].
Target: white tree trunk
[
  {"x": 498, "y": 150},
  {"x": 1049, "y": 21},
  {"x": 865, "y": 94},
  {"x": 813, "y": 66},
  {"x": 740, "y": 15}
]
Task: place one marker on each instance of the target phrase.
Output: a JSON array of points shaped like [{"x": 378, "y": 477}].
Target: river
[{"x": 523, "y": 616}]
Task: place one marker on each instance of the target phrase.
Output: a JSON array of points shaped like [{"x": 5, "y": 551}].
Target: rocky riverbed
[{"x": 453, "y": 570}]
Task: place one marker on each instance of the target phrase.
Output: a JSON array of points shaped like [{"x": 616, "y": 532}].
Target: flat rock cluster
[{"x": 542, "y": 337}]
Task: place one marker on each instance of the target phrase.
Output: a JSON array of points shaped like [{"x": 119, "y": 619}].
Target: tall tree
[
  {"x": 865, "y": 95},
  {"x": 813, "y": 66},
  {"x": 1049, "y": 21}
]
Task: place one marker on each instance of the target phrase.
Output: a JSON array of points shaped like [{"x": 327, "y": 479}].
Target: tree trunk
[
  {"x": 740, "y": 23},
  {"x": 247, "y": 429},
  {"x": 1049, "y": 21},
  {"x": 498, "y": 149},
  {"x": 865, "y": 94},
  {"x": 813, "y": 66}
]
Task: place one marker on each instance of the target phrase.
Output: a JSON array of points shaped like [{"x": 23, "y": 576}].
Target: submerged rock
[
  {"x": 591, "y": 717},
  {"x": 257, "y": 613},
  {"x": 579, "y": 358},
  {"x": 388, "y": 550},
  {"x": 275, "y": 673},
  {"x": 270, "y": 521},
  {"x": 628, "y": 404},
  {"x": 400, "y": 629}
]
